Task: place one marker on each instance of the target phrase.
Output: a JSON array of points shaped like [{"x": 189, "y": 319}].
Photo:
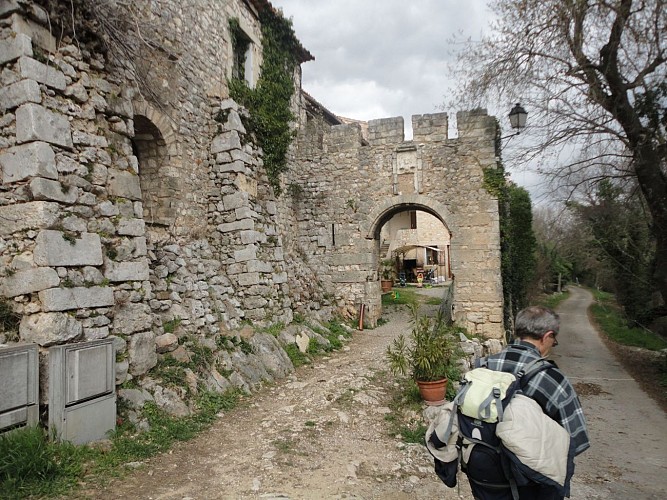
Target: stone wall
[{"x": 134, "y": 203}]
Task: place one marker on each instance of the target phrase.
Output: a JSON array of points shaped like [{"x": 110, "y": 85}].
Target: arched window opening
[{"x": 157, "y": 188}]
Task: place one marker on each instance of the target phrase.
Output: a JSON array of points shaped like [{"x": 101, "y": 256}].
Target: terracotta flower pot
[
  {"x": 386, "y": 285},
  {"x": 433, "y": 393}
]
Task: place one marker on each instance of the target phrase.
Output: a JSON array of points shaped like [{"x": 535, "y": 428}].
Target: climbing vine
[
  {"x": 517, "y": 240},
  {"x": 269, "y": 101}
]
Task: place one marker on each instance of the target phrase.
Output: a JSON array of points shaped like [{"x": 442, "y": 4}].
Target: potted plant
[
  {"x": 428, "y": 355},
  {"x": 387, "y": 271}
]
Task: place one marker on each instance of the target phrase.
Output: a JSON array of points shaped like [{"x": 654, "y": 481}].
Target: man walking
[{"x": 536, "y": 332}]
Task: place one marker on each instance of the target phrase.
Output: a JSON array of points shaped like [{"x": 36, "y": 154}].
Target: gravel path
[{"x": 321, "y": 433}]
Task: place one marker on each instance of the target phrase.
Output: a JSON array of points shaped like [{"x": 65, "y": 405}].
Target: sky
[{"x": 387, "y": 58}]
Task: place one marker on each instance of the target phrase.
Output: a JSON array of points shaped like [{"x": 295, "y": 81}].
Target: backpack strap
[
  {"x": 485, "y": 407},
  {"x": 528, "y": 372},
  {"x": 482, "y": 362}
]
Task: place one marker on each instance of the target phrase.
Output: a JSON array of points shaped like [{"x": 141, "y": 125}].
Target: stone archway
[
  {"x": 387, "y": 208},
  {"x": 378, "y": 217}
]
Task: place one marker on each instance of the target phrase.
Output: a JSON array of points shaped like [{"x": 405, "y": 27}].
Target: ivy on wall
[
  {"x": 269, "y": 101},
  {"x": 517, "y": 240}
]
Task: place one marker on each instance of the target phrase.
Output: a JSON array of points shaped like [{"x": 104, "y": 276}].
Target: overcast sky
[
  {"x": 381, "y": 58},
  {"x": 386, "y": 58}
]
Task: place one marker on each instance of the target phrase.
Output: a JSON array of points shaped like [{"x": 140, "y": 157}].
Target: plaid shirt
[{"x": 549, "y": 387}]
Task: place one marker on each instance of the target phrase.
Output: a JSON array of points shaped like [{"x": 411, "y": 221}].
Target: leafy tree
[
  {"x": 593, "y": 75},
  {"x": 620, "y": 235}
]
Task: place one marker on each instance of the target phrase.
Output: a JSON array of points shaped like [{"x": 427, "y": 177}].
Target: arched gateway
[{"x": 364, "y": 191}]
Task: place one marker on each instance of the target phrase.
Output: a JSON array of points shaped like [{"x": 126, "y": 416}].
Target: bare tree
[{"x": 594, "y": 75}]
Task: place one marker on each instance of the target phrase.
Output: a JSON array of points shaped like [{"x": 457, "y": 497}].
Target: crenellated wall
[{"x": 351, "y": 187}]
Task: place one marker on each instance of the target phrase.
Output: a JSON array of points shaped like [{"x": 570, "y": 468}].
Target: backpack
[{"x": 477, "y": 430}]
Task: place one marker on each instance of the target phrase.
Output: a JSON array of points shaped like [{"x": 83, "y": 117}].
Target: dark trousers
[{"x": 532, "y": 491}]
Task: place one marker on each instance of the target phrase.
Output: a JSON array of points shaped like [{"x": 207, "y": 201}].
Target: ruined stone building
[{"x": 135, "y": 203}]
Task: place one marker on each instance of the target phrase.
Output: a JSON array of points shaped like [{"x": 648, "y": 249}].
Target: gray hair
[{"x": 535, "y": 321}]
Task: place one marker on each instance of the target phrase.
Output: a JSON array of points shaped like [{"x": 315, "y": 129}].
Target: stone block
[
  {"x": 141, "y": 352},
  {"x": 225, "y": 142},
  {"x": 248, "y": 279},
  {"x": 234, "y": 122},
  {"x": 166, "y": 343},
  {"x": 140, "y": 248},
  {"x": 122, "y": 368},
  {"x": 107, "y": 209},
  {"x": 35, "y": 159},
  {"x": 28, "y": 281},
  {"x": 254, "y": 302},
  {"x": 259, "y": 266},
  {"x": 53, "y": 249},
  {"x": 31, "y": 215},
  {"x": 135, "y": 398},
  {"x": 13, "y": 48},
  {"x": 120, "y": 106},
  {"x": 131, "y": 227},
  {"x": 241, "y": 225},
  {"x": 36, "y": 123},
  {"x": 40, "y": 72},
  {"x": 127, "y": 271},
  {"x": 63, "y": 299},
  {"x": 132, "y": 317},
  {"x": 279, "y": 278},
  {"x": 49, "y": 328},
  {"x": 85, "y": 139},
  {"x": 124, "y": 184},
  {"x": 245, "y": 213},
  {"x": 19, "y": 93},
  {"x": 249, "y": 253},
  {"x": 46, "y": 189},
  {"x": 250, "y": 237},
  {"x": 38, "y": 34},
  {"x": 236, "y": 200},
  {"x": 96, "y": 333}
]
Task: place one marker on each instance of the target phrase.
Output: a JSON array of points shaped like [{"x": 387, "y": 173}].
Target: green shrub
[{"x": 296, "y": 356}]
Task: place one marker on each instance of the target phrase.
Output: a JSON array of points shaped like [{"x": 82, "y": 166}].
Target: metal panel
[
  {"x": 88, "y": 372},
  {"x": 82, "y": 397},
  {"x": 19, "y": 390},
  {"x": 90, "y": 421}
]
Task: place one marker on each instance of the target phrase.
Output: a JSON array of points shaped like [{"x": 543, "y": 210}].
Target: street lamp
[{"x": 517, "y": 117}]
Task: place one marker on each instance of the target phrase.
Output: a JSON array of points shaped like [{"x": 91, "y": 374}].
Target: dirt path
[
  {"x": 628, "y": 430},
  {"x": 322, "y": 434}
]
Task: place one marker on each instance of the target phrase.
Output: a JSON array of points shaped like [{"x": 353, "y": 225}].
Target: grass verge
[
  {"x": 610, "y": 317},
  {"x": 31, "y": 465},
  {"x": 553, "y": 300}
]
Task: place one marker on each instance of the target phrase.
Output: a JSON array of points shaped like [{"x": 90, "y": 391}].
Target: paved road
[{"x": 628, "y": 430}]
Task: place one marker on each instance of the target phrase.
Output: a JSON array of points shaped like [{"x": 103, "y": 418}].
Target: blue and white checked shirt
[{"x": 549, "y": 387}]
